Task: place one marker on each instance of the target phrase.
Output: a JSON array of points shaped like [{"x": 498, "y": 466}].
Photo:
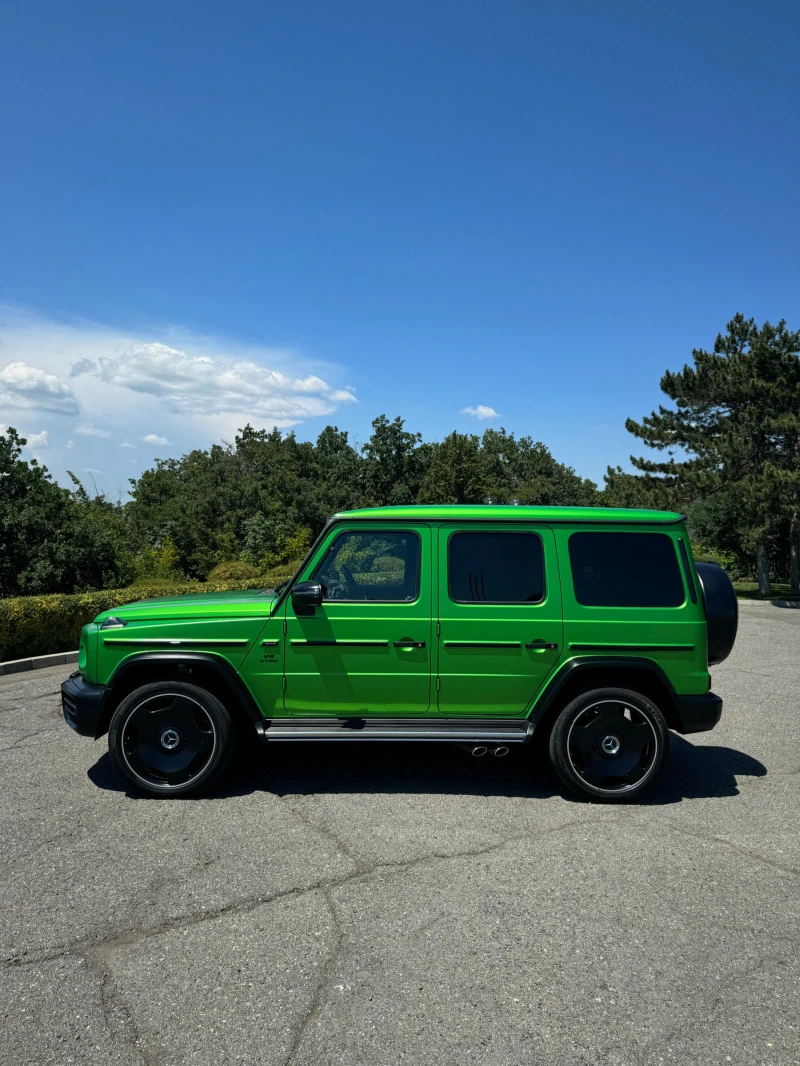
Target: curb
[
  {"x": 38, "y": 662},
  {"x": 768, "y": 603}
]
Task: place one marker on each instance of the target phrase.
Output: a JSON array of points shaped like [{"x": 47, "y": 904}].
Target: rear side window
[
  {"x": 495, "y": 567},
  {"x": 625, "y": 570}
]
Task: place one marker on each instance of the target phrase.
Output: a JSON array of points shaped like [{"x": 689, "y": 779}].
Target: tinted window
[
  {"x": 371, "y": 566},
  {"x": 496, "y": 568},
  {"x": 625, "y": 570}
]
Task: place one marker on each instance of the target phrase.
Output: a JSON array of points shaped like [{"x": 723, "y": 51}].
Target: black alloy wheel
[
  {"x": 609, "y": 744},
  {"x": 170, "y": 738}
]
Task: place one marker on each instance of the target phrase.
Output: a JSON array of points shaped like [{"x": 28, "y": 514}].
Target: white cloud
[
  {"x": 127, "y": 444},
  {"x": 23, "y": 385},
  {"x": 198, "y": 384},
  {"x": 92, "y": 431},
  {"x": 70, "y": 443},
  {"x": 38, "y": 440},
  {"x": 197, "y": 389},
  {"x": 481, "y": 412},
  {"x": 153, "y": 438}
]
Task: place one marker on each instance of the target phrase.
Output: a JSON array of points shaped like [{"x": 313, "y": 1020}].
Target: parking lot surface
[{"x": 386, "y": 904}]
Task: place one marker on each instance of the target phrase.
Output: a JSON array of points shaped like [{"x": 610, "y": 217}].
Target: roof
[{"x": 508, "y": 512}]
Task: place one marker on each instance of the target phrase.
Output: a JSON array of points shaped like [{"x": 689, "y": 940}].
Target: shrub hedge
[
  {"x": 235, "y": 570},
  {"x": 41, "y": 625}
]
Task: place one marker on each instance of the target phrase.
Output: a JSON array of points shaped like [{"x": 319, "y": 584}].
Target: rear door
[
  {"x": 500, "y": 624},
  {"x": 626, "y": 593}
]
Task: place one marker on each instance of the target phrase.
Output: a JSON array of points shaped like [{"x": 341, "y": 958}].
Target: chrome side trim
[{"x": 475, "y": 736}]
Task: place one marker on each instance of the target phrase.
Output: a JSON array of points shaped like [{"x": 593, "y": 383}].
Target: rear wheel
[
  {"x": 609, "y": 744},
  {"x": 170, "y": 739}
]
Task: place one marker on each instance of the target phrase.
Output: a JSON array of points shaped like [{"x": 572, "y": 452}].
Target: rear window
[
  {"x": 625, "y": 570},
  {"x": 496, "y": 567}
]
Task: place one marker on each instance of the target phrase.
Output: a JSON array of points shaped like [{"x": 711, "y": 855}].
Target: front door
[
  {"x": 367, "y": 649},
  {"x": 500, "y": 619}
]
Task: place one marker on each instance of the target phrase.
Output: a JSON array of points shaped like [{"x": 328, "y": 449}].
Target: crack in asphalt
[
  {"x": 318, "y": 998},
  {"x": 119, "y": 1020},
  {"x": 785, "y": 868},
  {"x": 133, "y": 935},
  {"x": 28, "y": 736},
  {"x": 323, "y": 829},
  {"x": 62, "y": 837},
  {"x": 714, "y": 1001},
  {"x": 18, "y": 708}
]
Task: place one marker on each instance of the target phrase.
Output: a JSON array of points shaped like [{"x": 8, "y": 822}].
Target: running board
[{"x": 479, "y": 731}]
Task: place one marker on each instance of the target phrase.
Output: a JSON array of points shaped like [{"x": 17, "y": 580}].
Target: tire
[
  {"x": 170, "y": 739},
  {"x": 621, "y": 752}
]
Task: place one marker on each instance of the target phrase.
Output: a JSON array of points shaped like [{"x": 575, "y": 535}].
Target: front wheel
[
  {"x": 609, "y": 744},
  {"x": 170, "y": 738}
]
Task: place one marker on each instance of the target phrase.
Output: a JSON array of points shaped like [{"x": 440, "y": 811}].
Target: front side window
[
  {"x": 495, "y": 567},
  {"x": 382, "y": 567},
  {"x": 625, "y": 570}
]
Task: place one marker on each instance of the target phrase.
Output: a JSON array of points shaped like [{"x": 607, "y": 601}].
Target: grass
[{"x": 748, "y": 590}]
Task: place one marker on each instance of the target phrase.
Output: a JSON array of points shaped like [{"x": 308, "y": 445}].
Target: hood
[{"x": 251, "y": 603}]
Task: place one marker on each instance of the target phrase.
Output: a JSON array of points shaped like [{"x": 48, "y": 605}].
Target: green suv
[{"x": 584, "y": 629}]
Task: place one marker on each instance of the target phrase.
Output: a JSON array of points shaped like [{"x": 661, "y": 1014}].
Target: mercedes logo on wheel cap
[
  {"x": 611, "y": 744},
  {"x": 170, "y": 739}
]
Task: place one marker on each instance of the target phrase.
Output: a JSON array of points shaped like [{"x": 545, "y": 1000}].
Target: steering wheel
[{"x": 333, "y": 588}]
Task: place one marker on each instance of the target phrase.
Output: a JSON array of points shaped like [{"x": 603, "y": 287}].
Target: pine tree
[{"x": 736, "y": 420}]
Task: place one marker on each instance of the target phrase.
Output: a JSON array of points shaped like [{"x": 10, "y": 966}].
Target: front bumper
[
  {"x": 696, "y": 714},
  {"x": 82, "y": 705}
]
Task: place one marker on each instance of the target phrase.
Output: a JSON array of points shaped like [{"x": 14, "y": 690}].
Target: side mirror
[{"x": 307, "y": 594}]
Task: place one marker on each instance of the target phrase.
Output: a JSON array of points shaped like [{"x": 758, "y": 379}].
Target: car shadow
[{"x": 692, "y": 772}]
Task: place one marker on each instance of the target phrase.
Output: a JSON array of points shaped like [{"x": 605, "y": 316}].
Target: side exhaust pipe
[
  {"x": 477, "y": 750},
  {"x": 500, "y": 751}
]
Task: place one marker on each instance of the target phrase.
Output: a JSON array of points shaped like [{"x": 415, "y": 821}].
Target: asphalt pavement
[{"x": 381, "y": 905}]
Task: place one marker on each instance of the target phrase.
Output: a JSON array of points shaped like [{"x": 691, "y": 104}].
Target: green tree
[
  {"x": 393, "y": 463},
  {"x": 453, "y": 471},
  {"x": 51, "y": 539},
  {"x": 735, "y": 422},
  {"x": 623, "y": 489},
  {"x": 524, "y": 469}
]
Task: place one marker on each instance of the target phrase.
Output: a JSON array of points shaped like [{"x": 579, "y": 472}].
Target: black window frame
[
  {"x": 497, "y": 603},
  {"x": 377, "y": 532},
  {"x": 624, "y": 606}
]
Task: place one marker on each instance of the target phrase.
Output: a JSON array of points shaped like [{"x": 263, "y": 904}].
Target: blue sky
[{"x": 306, "y": 213}]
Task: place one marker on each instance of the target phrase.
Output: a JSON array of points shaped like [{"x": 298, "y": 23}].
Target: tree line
[{"x": 729, "y": 458}]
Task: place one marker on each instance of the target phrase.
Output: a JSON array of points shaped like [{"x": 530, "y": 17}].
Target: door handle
[
  {"x": 541, "y": 645},
  {"x": 409, "y": 644}
]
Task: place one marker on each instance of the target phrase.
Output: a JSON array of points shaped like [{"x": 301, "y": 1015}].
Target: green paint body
[{"x": 288, "y": 663}]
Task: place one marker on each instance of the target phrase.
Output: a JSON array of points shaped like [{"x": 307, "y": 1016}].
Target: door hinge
[
  {"x": 438, "y": 683},
  {"x": 438, "y": 629},
  {"x": 284, "y": 683},
  {"x": 285, "y": 627}
]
